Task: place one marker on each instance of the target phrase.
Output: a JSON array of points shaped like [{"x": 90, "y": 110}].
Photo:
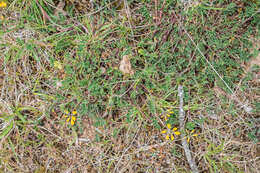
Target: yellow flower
[
  {"x": 3, "y": 4},
  {"x": 175, "y": 131},
  {"x": 70, "y": 117},
  {"x": 164, "y": 131},
  {"x": 73, "y": 119},
  {"x": 167, "y": 137},
  {"x": 170, "y": 133},
  {"x": 190, "y": 134},
  {"x": 172, "y": 137}
]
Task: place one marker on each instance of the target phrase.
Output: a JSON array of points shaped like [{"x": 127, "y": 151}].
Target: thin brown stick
[{"x": 185, "y": 145}]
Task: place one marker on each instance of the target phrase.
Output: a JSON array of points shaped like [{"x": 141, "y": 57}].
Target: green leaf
[{"x": 7, "y": 129}]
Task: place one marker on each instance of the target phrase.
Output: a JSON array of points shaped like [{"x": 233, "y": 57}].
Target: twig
[{"x": 191, "y": 162}]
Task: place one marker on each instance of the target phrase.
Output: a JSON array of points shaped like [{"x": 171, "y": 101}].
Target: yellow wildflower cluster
[
  {"x": 70, "y": 117},
  {"x": 170, "y": 132},
  {"x": 3, "y": 4},
  {"x": 190, "y": 134}
]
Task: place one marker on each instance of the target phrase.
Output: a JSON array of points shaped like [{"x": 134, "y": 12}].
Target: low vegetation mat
[{"x": 129, "y": 86}]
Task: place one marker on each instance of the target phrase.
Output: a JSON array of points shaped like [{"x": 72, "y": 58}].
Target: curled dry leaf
[{"x": 125, "y": 65}]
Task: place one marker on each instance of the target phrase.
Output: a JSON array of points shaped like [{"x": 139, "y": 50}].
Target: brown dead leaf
[{"x": 125, "y": 65}]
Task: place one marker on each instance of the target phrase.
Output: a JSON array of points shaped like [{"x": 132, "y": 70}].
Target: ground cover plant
[{"x": 94, "y": 86}]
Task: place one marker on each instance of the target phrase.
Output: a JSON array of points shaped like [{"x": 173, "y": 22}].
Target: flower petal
[
  {"x": 73, "y": 118},
  {"x": 164, "y": 131},
  {"x": 195, "y": 135},
  {"x": 66, "y": 112},
  {"x": 177, "y": 133},
  {"x": 174, "y": 129},
  {"x": 68, "y": 119},
  {"x": 169, "y": 126},
  {"x": 3, "y": 4},
  {"x": 167, "y": 137},
  {"x": 172, "y": 137},
  {"x": 74, "y": 112},
  {"x": 72, "y": 122}
]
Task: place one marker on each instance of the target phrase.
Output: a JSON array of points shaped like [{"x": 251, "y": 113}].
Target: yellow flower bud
[
  {"x": 167, "y": 137},
  {"x": 177, "y": 133},
  {"x": 172, "y": 137},
  {"x": 3, "y": 4},
  {"x": 164, "y": 131},
  {"x": 73, "y": 119}
]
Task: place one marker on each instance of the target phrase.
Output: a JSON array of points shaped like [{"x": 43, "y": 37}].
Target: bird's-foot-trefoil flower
[
  {"x": 170, "y": 133},
  {"x": 190, "y": 134},
  {"x": 71, "y": 117},
  {"x": 3, "y": 4}
]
